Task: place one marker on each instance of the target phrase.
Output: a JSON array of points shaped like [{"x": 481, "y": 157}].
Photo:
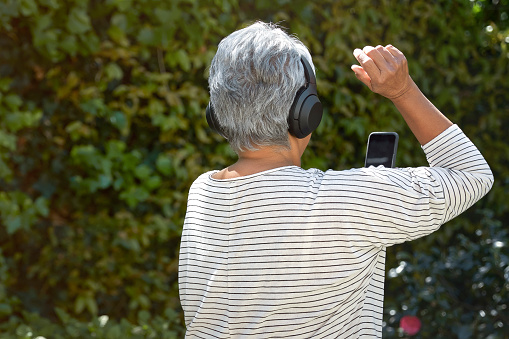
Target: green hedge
[{"x": 102, "y": 131}]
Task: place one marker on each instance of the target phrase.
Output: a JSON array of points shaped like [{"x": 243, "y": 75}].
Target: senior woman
[{"x": 271, "y": 250}]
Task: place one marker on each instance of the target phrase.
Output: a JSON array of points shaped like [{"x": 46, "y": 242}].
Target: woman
[{"x": 270, "y": 250}]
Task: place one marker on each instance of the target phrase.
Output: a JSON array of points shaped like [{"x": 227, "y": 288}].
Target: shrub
[{"x": 102, "y": 132}]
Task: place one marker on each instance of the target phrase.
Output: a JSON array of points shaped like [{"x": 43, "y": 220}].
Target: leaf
[
  {"x": 7, "y": 141},
  {"x": 5, "y": 83},
  {"x": 94, "y": 106},
  {"x": 115, "y": 148},
  {"x": 119, "y": 120},
  {"x": 134, "y": 195},
  {"x": 13, "y": 224},
  {"x": 120, "y": 21},
  {"x": 85, "y": 154},
  {"x": 130, "y": 161},
  {"x": 463, "y": 332},
  {"x": 155, "y": 107},
  {"x": 119, "y": 182},
  {"x": 114, "y": 332},
  {"x": 78, "y": 21},
  {"x": 13, "y": 101},
  {"x": 118, "y": 36},
  {"x": 91, "y": 305},
  {"x": 104, "y": 181},
  {"x": 153, "y": 182},
  {"x": 62, "y": 315},
  {"x": 142, "y": 172},
  {"x": 15, "y": 121},
  {"x": 146, "y": 36},
  {"x": 163, "y": 164},
  {"x": 90, "y": 41},
  {"x": 72, "y": 331},
  {"x": 5, "y": 309},
  {"x": 183, "y": 59},
  {"x": 28, "y": 7},
  {"x": 42, "y": 23},
  {"x": 77, "y": 129},
  {"x": 70, "y": 45},
  {"x": 41, "y": 206},
  {"x": 143, "y": 315},
  {"x": 79, "y": 305},
  {"x": 5, "y": 171},
  {"x": 113, "y": 71},
  {"x": 50, "y": 3},
  {"x": 123, "y": 5}
]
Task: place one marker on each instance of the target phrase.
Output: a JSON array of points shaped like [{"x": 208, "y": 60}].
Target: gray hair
[{"x": 253, "y": 80}]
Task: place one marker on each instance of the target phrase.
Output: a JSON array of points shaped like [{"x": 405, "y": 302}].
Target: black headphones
[{"x": 305, "y": 113}]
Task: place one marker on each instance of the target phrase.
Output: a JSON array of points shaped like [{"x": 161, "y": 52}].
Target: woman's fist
[{"x": 383, "y": 69}]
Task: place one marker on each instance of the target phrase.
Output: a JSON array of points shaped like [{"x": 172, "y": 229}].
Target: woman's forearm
[{"x": 423, "y": 118}]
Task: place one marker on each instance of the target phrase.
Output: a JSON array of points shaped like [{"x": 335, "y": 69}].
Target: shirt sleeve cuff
[
  {"x": 444, "y": 145},
  {"x": 439, "y": 139}
]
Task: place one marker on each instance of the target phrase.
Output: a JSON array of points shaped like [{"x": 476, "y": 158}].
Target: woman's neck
[
  {"x": 265, "y": 158},
  {"x": 251, "y": 162}
]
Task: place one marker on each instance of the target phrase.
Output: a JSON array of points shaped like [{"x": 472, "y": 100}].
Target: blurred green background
[{"x": 102, "y": 131}]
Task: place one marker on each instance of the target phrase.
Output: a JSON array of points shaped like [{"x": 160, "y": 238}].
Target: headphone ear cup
[
  {"x": 310, "y": 115},
  {"x": 305, "y": 114},
  {"x": 210, "y": 114}
]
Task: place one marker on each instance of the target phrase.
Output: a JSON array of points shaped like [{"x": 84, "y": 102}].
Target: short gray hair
[{"x": 253, "y": 80}]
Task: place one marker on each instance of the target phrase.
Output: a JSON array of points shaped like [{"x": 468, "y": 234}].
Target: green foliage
[
  {"x": 102, "y": 132},
  {"x": 148, "y": 326},
  {"x": 465, "y": 284}
]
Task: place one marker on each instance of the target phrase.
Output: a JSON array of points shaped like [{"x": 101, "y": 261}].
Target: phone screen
[{"x": 382, "y": 147}]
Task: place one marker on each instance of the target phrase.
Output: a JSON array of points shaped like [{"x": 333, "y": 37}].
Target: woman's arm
[
  {"x": 385, "y": 71},
  {"x": 419, "y": 199}
]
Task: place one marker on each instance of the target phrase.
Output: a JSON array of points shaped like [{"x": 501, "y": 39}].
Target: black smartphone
[{"x": 382, "y": 148}]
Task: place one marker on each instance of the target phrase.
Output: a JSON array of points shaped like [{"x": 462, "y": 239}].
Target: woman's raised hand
[{"x": 384, "y": 70}]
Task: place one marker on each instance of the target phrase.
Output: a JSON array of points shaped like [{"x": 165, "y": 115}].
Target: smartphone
[{"x": 382, "y": 148}]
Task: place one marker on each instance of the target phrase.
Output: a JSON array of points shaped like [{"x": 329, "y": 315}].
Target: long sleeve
[
  {"x": 403, "y": 204},
  {"x": 460, "y": 169}
]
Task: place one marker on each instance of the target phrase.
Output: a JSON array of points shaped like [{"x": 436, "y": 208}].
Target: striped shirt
[{"x": 294, "y": 253}]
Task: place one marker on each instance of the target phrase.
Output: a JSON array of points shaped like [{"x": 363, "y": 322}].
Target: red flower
[{"x": 410, "y": 324}]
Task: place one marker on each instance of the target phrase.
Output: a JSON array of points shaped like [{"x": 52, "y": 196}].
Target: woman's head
[{"x": 254, "y": 78}]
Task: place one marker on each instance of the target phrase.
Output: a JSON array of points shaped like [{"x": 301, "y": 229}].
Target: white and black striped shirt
[{"x": 294, "y": 253}]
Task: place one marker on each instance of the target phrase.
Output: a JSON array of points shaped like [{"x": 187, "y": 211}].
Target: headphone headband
[{"x": 308, "y": 71}]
